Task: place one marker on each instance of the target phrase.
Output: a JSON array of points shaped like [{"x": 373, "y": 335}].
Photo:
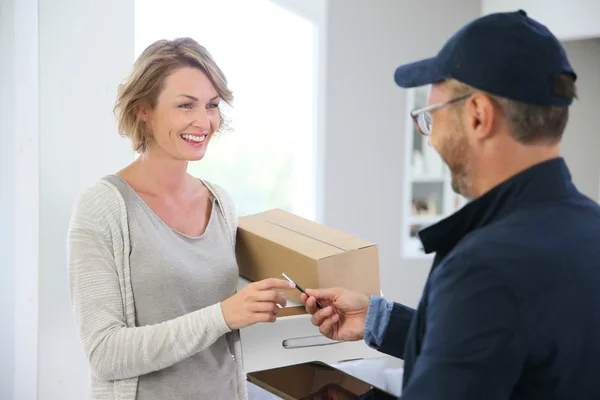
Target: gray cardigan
[{"x": 101, "y": 297}]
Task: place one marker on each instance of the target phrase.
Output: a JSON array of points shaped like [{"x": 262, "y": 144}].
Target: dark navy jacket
[{"x": 511, "y": 308}]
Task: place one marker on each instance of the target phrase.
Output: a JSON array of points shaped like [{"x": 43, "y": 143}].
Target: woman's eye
[
  {"x": 213, "y": 105},
  {"x": 187, "y": 106}
]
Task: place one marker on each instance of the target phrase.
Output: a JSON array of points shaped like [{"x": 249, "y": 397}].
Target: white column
[
  {"x": 19, "y": 201},
  {"x": 86, "y": 48},
  {"x": 7, "y": 198},
  {"x": 27, "y": 200}
]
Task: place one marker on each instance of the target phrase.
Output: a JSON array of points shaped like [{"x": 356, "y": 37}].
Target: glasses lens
[
  {"x": 428, "y": 121},
  {"x": 424, "y": 121}
]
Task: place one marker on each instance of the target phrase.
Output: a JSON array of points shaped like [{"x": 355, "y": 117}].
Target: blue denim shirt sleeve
[{"x": 376, "y": 324}]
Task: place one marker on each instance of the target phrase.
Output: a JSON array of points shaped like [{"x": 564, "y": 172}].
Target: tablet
[{"x": 316, "y": 381}]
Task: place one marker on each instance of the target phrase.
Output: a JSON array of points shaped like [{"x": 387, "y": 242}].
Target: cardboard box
[
  {"x": 294, "y": 339},
  {"x": 313, "y": 255}
]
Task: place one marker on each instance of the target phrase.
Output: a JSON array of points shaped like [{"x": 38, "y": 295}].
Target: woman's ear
[{"x": 144, "y": 111}]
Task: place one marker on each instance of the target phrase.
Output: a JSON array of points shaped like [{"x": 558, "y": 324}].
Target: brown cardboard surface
[
  {"x": 291, "y": 310},
  {"x": 311, "y": 254}
]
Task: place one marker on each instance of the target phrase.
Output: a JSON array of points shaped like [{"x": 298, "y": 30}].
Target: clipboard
[{"x": 316, "y": 380}]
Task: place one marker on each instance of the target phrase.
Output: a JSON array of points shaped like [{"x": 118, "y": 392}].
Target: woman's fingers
[
  {"x": 270, "y": 296},
  {"x": 273, "y": 283},
  {"x": 265, "y": 307}
]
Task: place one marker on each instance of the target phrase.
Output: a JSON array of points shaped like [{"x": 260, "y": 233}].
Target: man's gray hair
[{"x": 532, "y": 123}]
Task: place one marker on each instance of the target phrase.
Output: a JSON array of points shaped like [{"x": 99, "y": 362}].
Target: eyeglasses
[{"x": 422, "y": 116}]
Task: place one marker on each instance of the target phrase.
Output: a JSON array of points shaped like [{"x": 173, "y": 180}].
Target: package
[{"x": 313, "y": 255}]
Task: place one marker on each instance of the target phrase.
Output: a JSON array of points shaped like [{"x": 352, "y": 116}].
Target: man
[{"x": 511, "y": 308}]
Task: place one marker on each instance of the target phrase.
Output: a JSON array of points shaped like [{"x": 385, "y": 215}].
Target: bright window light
[{"x": 268, "y": 55}]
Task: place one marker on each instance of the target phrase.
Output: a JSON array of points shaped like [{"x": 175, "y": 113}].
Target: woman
[{"x": 152, "y": 264}]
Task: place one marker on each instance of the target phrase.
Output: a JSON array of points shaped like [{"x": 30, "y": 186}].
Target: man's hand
[{"x": 343, "y": 315}]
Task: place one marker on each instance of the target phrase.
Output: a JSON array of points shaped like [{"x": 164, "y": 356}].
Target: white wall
[
  {"x": 581, "y": 142},
  {"x": 365, "y": 120},
  {"x": 7, "y": 200},
  {"x": 27, "y": 200},
  {"x": 86, "y": 49},
  {"x": 568, "y": 20},
  {"x": 18, "y": 199}
]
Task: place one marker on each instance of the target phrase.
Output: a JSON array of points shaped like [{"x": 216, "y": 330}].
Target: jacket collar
[{"x": 538, "y": 183}]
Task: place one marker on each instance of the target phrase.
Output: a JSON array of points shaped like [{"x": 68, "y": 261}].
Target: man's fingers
[
  {"x": 311, "y": 305},
  {"x": 327, "y": 295},
  {"x": 274, "y": 283},
  {"x": 321, "y": 315},
  {"x": 326, "y": 328},
  {"x": 303, "y": 298}
]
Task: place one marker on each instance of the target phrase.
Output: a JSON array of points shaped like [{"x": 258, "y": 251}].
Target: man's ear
[{"x": 481, "y": 115}]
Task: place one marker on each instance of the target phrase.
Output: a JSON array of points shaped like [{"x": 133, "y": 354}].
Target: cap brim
[{"x": 419, "y": 73}]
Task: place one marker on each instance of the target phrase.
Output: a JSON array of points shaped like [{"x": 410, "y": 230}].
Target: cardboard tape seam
[{"x": 304, "y": 234}]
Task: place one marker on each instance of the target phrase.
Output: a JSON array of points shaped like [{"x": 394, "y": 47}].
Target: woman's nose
[{"x": 201, "y": 119}]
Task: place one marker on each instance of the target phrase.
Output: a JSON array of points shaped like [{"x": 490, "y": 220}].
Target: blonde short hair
[{"x": 146, "y": 82}]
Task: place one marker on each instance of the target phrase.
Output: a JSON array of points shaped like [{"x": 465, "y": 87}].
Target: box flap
[{"x": 299, "y": 234}]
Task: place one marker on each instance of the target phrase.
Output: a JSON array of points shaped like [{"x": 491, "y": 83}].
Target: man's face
[{"x": 449, "y": 138}]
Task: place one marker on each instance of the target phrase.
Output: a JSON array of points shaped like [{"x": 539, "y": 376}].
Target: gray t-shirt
[{"x": 173, "y": 274}]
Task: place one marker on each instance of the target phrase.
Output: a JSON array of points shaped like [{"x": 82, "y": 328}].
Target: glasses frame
[{"x": 428, "y": 109}]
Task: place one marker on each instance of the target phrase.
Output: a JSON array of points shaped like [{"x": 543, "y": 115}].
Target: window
[{"x": 269, "y": 57}]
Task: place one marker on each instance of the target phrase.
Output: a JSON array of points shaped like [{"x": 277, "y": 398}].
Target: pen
[{"x": 319, "y": 305}]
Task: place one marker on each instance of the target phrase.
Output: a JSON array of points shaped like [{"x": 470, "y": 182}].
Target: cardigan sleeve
[{"x": 114, "y": 350}]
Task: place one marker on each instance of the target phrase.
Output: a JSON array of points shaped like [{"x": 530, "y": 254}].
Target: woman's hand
[{"x": 257, "y": 302}]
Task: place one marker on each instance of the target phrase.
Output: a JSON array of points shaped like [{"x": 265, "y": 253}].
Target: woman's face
[{"x": 185, "y": 117}]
